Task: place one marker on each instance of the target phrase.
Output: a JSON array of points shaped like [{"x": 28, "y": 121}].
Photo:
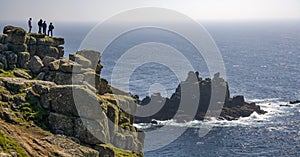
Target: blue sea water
[{"x": 262, "y": 63}]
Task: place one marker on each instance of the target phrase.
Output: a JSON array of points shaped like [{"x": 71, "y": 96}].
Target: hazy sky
[{"x": 96, "y": 10}]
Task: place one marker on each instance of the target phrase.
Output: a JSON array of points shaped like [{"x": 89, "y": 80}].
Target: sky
[{"x": 97, "y": 10}]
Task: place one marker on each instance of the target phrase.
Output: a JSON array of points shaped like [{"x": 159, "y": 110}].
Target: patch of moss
[
  {"x": 10, "y": 73},
  {"x": 119, "y": 152},
  {"x": 32, "y": 111},
  {"x": 8, "y": 144}
]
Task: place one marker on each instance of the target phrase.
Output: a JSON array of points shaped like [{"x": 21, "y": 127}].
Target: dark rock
[
  {"x": 11, "y": 57},
  {"x": 35, "y": 64},
  {"x": 44, "y": 50},
  {"x": 62, "y": 123},
  {"x": 47, "y": 60},
  {"x": 3, "y": 38},
  {"x": 17, "y": 48},
  {"x": 32, "y": 49},
  {"x": 41, "y": 76},
  {"x": 15, "y": 35},
  {"x": 23, "y": 59},
  {"x": 54, "y": 66},
  {"x": 295, "y": 102},
  {"x": 68, "y": 78}
]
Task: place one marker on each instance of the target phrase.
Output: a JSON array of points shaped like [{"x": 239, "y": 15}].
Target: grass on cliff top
[{"x": 8, "y": 144}]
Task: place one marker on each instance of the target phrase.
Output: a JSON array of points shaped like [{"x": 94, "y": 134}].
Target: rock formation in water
[
  {"x": 53, "y": 106},
  {"x": 213, "y": 100}
]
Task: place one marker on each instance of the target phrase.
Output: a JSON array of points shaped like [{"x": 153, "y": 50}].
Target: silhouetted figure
[
  {"x": 40, "y": 24},
  {"x": 50, "y": 29},
  {"x": 44, "y": 27},
  {"x": 30, "y": 25}
]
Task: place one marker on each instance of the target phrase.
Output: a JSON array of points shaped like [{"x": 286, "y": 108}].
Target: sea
[{"x": 261, "y": 61}]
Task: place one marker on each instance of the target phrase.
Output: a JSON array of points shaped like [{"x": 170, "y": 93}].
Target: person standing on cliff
[
  {"x": 30, "y": 25},
  {"x": 50, "y": 29},
  {"x": 40, "y": 24},
  {"x": 44, "y": 27}
]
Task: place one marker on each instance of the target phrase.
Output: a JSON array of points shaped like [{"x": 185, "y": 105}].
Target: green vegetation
[
  {"x": 8, "y": 144},
  {"x": 119, "y": 152},
  {"x": 10, "y": 73},
  {"x": 31, "y": 111}
]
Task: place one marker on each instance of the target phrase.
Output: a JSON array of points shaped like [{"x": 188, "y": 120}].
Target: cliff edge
[{"x": 53, "y": 106}]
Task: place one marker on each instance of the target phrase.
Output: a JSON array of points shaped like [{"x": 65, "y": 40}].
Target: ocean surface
[{"x": 262, "y": 63}]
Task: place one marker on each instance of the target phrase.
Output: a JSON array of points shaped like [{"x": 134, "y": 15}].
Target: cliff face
[{"x": 51, "y": 106}]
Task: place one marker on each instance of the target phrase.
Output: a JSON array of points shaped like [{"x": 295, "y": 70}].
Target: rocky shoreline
[
  {"x": 222, "y": 105},
  {"x": 40, "y": 117}
]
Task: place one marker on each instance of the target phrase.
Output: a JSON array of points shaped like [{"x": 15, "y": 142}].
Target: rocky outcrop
[
  {"x": 67, "y": 97},
  {"x": 16, "y": 47},
  {"x": 220, "y": 102}
]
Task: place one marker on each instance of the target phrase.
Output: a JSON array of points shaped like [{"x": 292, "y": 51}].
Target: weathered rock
[
  {"x": 104, "y": 87},
  {"x": 237, "y": 101},
  {"x": 47, "y": 41},
  {"x": 15, "y": 85},
  {"x": 41, "y": 76},
  {"x": 8, "y": 29},
  {"x": 3, "y": 61},
  {"x": 22, "y": 74},
  {"x": 92, "y": 78},
  {"x": 15, "y": 35},
  {"x": 105, "y": 151},
  {"x": 47, "y": 60},
  {"x": 61, "y": 124},
  {"x": 91, "y": 131},
  {"x": 44, "y": 50},
  {"x": 76, "y": 100},
  {"x": 61, "y": 51},
  {"x": 30, "y": 40},
  {"x": 11, "y": 57},
  {"x": 70, "y": 67},
  {"x": 45, "y": 101},
  {"x": 91, "y": 55},
  {"x": 70, "y": 148},
  {"x": 41, "y": 89},
  {"x": 54, "y": 66},
  {"x": 36, "y": 35},
  {"x": 23, "y": 59},
  {"x": 32, "y": 49},
  {"x": 58, "y": 41},
  {"x": 35, "y": 64},
  {"x": 80, "y": 60},
  {"x": 3, "y": 47},
  {"x": 17, "y": 48},
  {"x": 3, "y": 38},
  {"x": 68, "y": 78},
  {"x": 2, "y": 66}
]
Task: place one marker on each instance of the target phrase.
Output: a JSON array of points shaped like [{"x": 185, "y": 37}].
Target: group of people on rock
[{"x": 42, "y": 26}]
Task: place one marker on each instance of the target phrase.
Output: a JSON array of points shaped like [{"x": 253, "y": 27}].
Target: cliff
[{"x": 53, "y": 106}]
